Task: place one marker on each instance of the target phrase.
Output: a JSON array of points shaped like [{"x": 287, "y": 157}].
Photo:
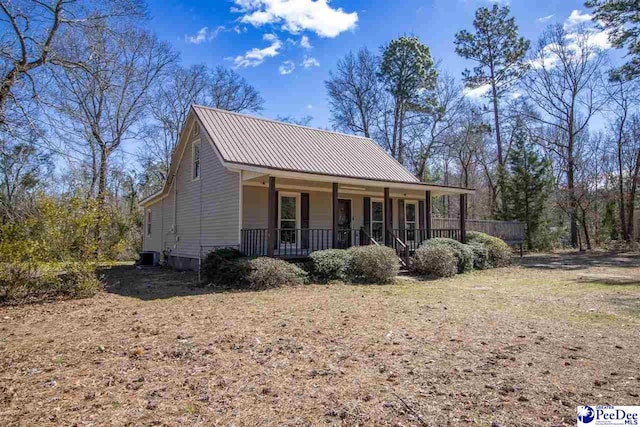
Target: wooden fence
[{"x": 509, "y": 231}]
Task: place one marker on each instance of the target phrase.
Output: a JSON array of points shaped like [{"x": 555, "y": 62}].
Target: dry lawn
[{"x": 519, "y": 346}]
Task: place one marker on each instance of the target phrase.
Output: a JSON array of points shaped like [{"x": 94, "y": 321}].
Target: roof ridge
[{"x": 220, "y": 110}]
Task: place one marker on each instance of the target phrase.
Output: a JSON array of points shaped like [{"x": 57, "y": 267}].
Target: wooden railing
[{"x": 414, "y": 238}]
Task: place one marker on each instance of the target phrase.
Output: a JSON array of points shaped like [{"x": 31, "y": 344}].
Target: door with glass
[
  {"x": 344, "y": 223},
  {"x": 410, "y": 215}
]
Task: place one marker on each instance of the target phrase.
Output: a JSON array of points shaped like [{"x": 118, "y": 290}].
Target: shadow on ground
[
  {"x": 150, "y": 283},
  {"x": 575, "y": 261}
]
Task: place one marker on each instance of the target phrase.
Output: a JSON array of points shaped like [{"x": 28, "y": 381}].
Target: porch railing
[{"x": 291, "y": 243}]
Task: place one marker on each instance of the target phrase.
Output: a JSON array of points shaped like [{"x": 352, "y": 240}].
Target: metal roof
[{"x": 255, "y": 141}]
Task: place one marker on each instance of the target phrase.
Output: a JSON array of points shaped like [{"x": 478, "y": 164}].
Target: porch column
[
  {"x": 388, "y": 212},
  {"x": 271, "y": 216},
  {"x": 334, "y": 215},
  {"x": 463, "y": 218},
  {"x": 428, "y": 215}
]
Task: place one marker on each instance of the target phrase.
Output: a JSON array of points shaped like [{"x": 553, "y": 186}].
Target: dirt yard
[{"x": 519, "y": 346}]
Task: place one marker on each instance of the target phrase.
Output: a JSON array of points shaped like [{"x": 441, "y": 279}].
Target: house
[{"x": 283, "y": 190}]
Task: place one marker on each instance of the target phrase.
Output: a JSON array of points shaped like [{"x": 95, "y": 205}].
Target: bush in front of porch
[
  {"x": 330, "y": 264},
  {"x": 438, "y": 261},
  {"x": 499, "y": 251},
  {"x": 462, "y": 252},
  {"x": 373, "y": 264}
]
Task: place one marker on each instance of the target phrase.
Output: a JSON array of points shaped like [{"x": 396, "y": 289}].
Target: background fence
[{"x": 510, "y": 231}]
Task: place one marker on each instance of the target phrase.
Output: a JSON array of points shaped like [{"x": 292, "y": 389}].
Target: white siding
[
  {"x": 207, "y": 209},
  {"x": 153, "y": 241}
]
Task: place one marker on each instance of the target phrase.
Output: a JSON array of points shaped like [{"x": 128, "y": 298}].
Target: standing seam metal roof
[{"x": 265, "y": 143}]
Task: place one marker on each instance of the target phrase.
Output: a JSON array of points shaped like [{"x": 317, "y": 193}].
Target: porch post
[
  {"x": 388, "y": 211},
  {"x": 428, "y": 214},
  {"x": 463, "y": 218},
  {"x": 271, "y": 216},
  {"x": 334, "y": 215}
]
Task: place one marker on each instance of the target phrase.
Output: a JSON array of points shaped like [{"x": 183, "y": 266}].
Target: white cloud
[
  {"x": 309, "y": 106},
  {"x": 545, "y": 18},
  {"x": 297, "y": 15},
  {"x": 239, "y": 30},
  {"x": 309, "y": 62},
  {"x": 577, "y": 18},
  {"x": 478, "y": 92},
  {"x": 286, "y": 67},
  {"x": 204, "y": 34},
  {"x": 255, "y": 56},
  {"x": 304, "y": 42}
]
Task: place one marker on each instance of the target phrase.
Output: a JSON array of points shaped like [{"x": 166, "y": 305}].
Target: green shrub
[
  {"x": 31, "y": 282},
  {"x": 330, "y": 264},
  {"x": 221, "y": 267},
  {"x": 266, "y": 273},
  {"x": 436, "y": 260},
  {"x": 480, "y": 256},
  {"x": 463, "y": 253},
  {"x": 373, "y": 264},
  {"x": 499, "y": 251}
]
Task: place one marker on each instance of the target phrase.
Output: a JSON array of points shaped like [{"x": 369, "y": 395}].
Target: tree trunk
[
  {"x": 573, "y": 208},
  {"x": 102, "y": 189},
  {"x": 622, "y": 203}
]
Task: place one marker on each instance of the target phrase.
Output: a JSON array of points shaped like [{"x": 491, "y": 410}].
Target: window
[
  {"x": 377, "y": 220},
  {"x": 196, "y": 160},
  {"x": 196, "y": 130},
  {"x": 288, "y": 218},
  {"x": 149, "y": 223},
  {"x": 410, "y": 210}
]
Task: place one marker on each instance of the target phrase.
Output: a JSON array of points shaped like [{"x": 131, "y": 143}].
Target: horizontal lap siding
[
  {"x": 254, "y": 207},
  {"x": 153, "y": 242},
  {"x": 187, "y": 237},
  {"x": 220, "y": 200}
]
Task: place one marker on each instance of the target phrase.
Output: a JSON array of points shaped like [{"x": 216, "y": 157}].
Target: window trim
[
  {"x": 282, "y": 194},
  {"x": 193, "y": 161}
]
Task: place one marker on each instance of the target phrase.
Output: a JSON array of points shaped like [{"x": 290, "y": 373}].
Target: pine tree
[
  {"x": 500, "y": 55},
  {"x": 527, "y": 186}
]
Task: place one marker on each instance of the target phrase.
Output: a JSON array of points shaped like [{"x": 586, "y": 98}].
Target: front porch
[{"x": 291, "y": 218}]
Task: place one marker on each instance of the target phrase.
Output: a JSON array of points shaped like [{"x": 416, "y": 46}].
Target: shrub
[
  {"x": 31, "y": 282},
  {"x": 436, "y": 260},
  {"x": 499, "y": 251},
  {"x": 221, "y": 267},
  {"x": 480, "y": 256},
  {"x": 266, "y": 273},
  {"x": 373, "y": 264},
  {"x": 463, "y": 253},
  {"x": 330, "y": 264}
]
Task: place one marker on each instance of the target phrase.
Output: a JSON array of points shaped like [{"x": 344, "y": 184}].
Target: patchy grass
[{"x": 526, "y": 343}]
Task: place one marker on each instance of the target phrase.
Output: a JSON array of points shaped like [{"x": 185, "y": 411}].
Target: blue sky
[{"x": 332, "y": 29}]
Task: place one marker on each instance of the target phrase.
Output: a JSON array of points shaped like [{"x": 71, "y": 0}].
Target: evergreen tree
[
  {"x": 622, "y": 19},
  {"x": 527, "y": 186},
  {"x": 500, "y": 54}
]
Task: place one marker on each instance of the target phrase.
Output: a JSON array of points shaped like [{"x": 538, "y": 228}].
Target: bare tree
[
  {"x": 354, "y": 92},
  {"x": 108, "y": 97},
  {"x": 624, "y": 98},
  {"x": 33, "y": 28},
  {"x": 564, "y": 83},
  {"x": 169, "y": 106},
  {"x": 229, "y": 91},
  {"x": 433, "y": 124}
]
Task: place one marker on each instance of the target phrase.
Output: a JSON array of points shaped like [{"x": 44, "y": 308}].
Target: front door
[{"x": 344, "y": 223}]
